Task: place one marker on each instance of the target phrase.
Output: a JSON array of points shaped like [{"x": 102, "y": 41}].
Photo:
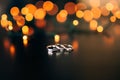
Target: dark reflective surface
[{"x": 95, "y": 57}]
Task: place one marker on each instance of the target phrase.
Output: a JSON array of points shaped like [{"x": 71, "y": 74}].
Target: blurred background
[{"x": 92, "y": 27}]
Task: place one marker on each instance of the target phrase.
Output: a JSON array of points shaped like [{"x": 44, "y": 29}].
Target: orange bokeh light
[
  {"x": 54, "y": 10},
  {"x": 70, "y": 7},
  {"x": 63, "y": 13},
  {"x": 81, "y": 6},
  {"x": 96, "y": 13},
  {"x": 117, "y": 14},
  {"x": 4, "y": 23},
  {"x": 61, "y": 19},
  {"x": 40, "y": 23},
  {"x": 20, "y": 21},
  {"x": 14, "y": 11},
  {"x": 100, "y": 29},
  {"x": 104, "y": 11},
  {"x": 93, "y": 25},
  {"x": 12, "y": 50},
  {"x": 88, "y": 15},
  {"x": 112, "y": 18},
  {"x": 40, "y": 13},
  {"x": 31, "y": 8},
  {"x": 48, "y": 5}
]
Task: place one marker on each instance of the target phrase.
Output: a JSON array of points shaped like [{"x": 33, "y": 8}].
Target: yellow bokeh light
[
  {"x": 31, "y": 8},
  {"x": 40, "y": 13},
  {"x": 75, "y": 22},
  {"x": 109, "y": 6},
  {"x": 24, "y": 10},
  {"x": 48, "y": 5},
  {"x": 112, "y": 18},
  {"x": 96, "y": 13},
  {"x": 29, "y": 17},
  {"x": 57, "y": 38},
  {"x": 10, "y": 28},
  {"x": 88, "y": 15},
  {"x": 14, "y": 11},
  {"x": 25, "y": 29},
  {"x": 93, "y": 25},
  {"x": 4, "y": 17},
  {"x": 100, "y": 29},
  {"x": 25, "y": 37},
  {"x": 79, "y": 14}
]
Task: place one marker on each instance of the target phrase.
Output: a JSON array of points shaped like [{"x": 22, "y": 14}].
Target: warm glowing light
[
  {"x": 25, "y": 37},
  {"x": 29, "y": 17},
  {"x": 61, "y": 19},
  {"x": 96, "y": 13},
  {"x": 94, "y": 3},
  {"x": 25, "y": 42},
  {"x": 117, "y": 14},
  {"x": 6, "y": 43},
  {"x": 63, "y": 13},
  {"x": 93, "y": 25},
  {"x": 104, "y": 11},
  {"x": 112, "y": 18},
  {"x": 40, "y": 23},
  {"x": 4, "y": 23},
  {"x": 40, "y": 13},
  {"x": 14, "y": 11},
  {"x": 75, "y": 45},
  {"x": 31, "y": 8},
  {"x": 20, "y": 21},
  {"x": 10, "y": 28},
  {"x": 75, "y": 22},
  {"x": 54, "y": 10},
  {"x": 24, "y": 10},
  {"x": 88, "y": 15},
  {"x": 10, "y": 23},
  {"x": 31, "y": 31},
  {"x": 48, "y": 5},
  {"x": 12, "y": 50},
  {"x": 109, "y": 6},
  {"x": 100, "y": 29},
  {"x": 79, "y": 14},
  {"x": 4, "y": 17},
  {"x": 70, "y": 7},
  {"x": 25, "y": 29},
  {"x": 81, "y": 6},
  {"x": 57, "y": 38}
]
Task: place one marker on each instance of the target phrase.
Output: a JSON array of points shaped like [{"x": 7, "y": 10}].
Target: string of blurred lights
[{"x": 96, "y": 14}]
